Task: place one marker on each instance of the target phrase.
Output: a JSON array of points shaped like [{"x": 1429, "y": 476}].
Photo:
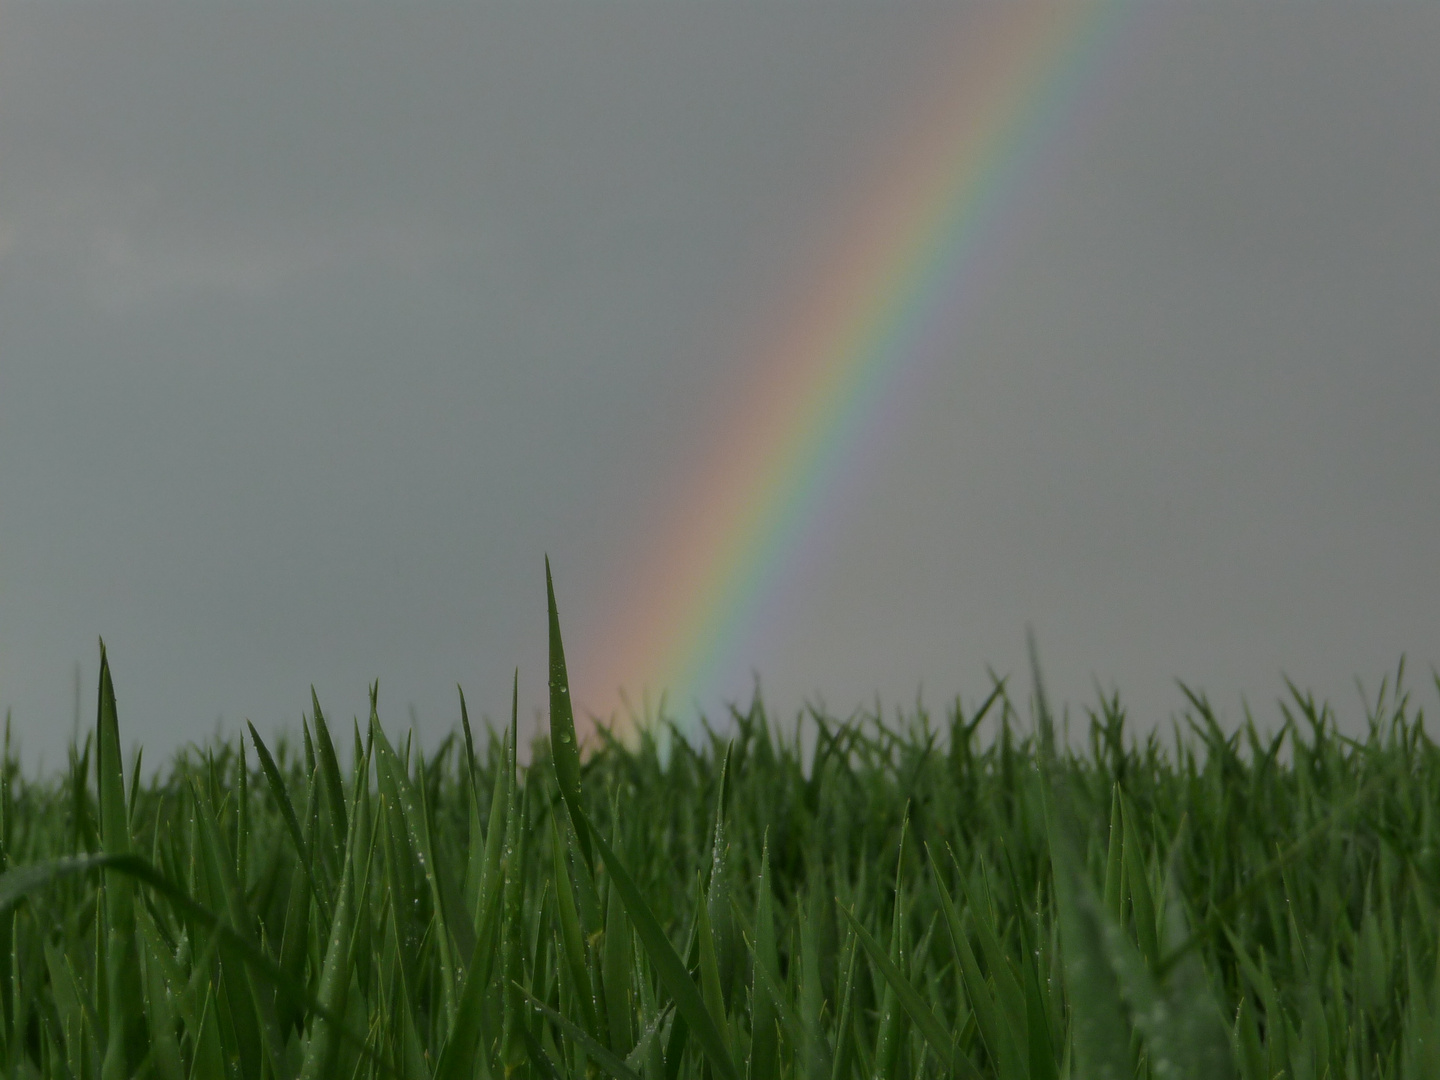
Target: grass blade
[
  {"x": 710, "y": 990},
  {"x": 765, "y": 1007},
  {"x": 617, "y": 971},
  {"x": 330, "y": 776},
  {"x": 292, "y": 823},
  {"x": 1137, "y": 880},
  {"x": 890, "y": 1037},
  {"x": 464, "y": 1039},
  {"x": 322, "y": 1046},
  {"x": 126, "y": 1033},
  {"x": 563, "y": 746},
  {"x": 16, "y": 885},
  {"x": 411, "y": 811},
  {"x": 844, "y": 1036},
  {"x": 1099, "y": 1028},
  {"x": 603, "y": 1057},
  {"x": 668, "y": 964},
  {"x": 914, "y": 1005},
  {"x": 570, "y": 936},
  {"x": 998, "y": 1036}
]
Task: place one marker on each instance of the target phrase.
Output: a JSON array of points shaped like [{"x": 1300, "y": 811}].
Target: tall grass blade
[
  {"x": 249, "y": 1003},
  {"x": 1099, "y": 1028},
  {"x": 17, "y": 884},
  {"x": 563, "y": 746},
  {"x": 1114, "y": 860},
  {"x": 410, "y": 810},
  {"x": 710, "y": 989},
  {"x": 330, "y": 782},
  {"x": 323, "y": 1045},
  {"x": 292, "y": 823},
  {"x": 1137, "y": 881},
  {"x": 125, "y": 1024},
  {"x": 817, "y": 1057},
  {"x": 889, "y": 1038},
  {"x": 603, "y": 1057},
  {"x": 571, "y": 937},
  {"x": 925, "y": 1020},
  {"x": 764, "y": 1008},
  {"x": 1000, "y": 1040},
  {"x": 668, "y": 964},
  {"x": 717, "y": 898},
  {"x": 162, "y": 1016},
  {"x": 767, "y": 980},
  {"x": 617, "y": 970},
  {"x": 844, "y": 1035},
  {"x": 539, "y": 1059},
  {"x": 466, "y": 1035}
]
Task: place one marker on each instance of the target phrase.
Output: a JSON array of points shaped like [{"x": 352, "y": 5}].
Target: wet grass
[{"x": 900, "y": 901}]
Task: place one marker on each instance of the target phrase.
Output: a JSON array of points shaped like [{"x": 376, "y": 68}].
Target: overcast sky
[{"x": 321, "y": 323}]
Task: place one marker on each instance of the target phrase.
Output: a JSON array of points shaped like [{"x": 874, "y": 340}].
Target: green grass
[{"x": 902, "y": 902}]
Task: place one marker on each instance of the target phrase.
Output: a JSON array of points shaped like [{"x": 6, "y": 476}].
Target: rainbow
[{"x": 885, "y": 304}]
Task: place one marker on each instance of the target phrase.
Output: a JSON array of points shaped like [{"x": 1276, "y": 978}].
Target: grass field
[{"x": 899, "y": 903}]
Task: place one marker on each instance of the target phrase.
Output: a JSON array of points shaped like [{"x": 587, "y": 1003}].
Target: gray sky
[{"x": 320, "y": 324}]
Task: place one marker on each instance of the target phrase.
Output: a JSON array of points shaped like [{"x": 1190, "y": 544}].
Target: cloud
[{"x": 122, "y": 254}]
